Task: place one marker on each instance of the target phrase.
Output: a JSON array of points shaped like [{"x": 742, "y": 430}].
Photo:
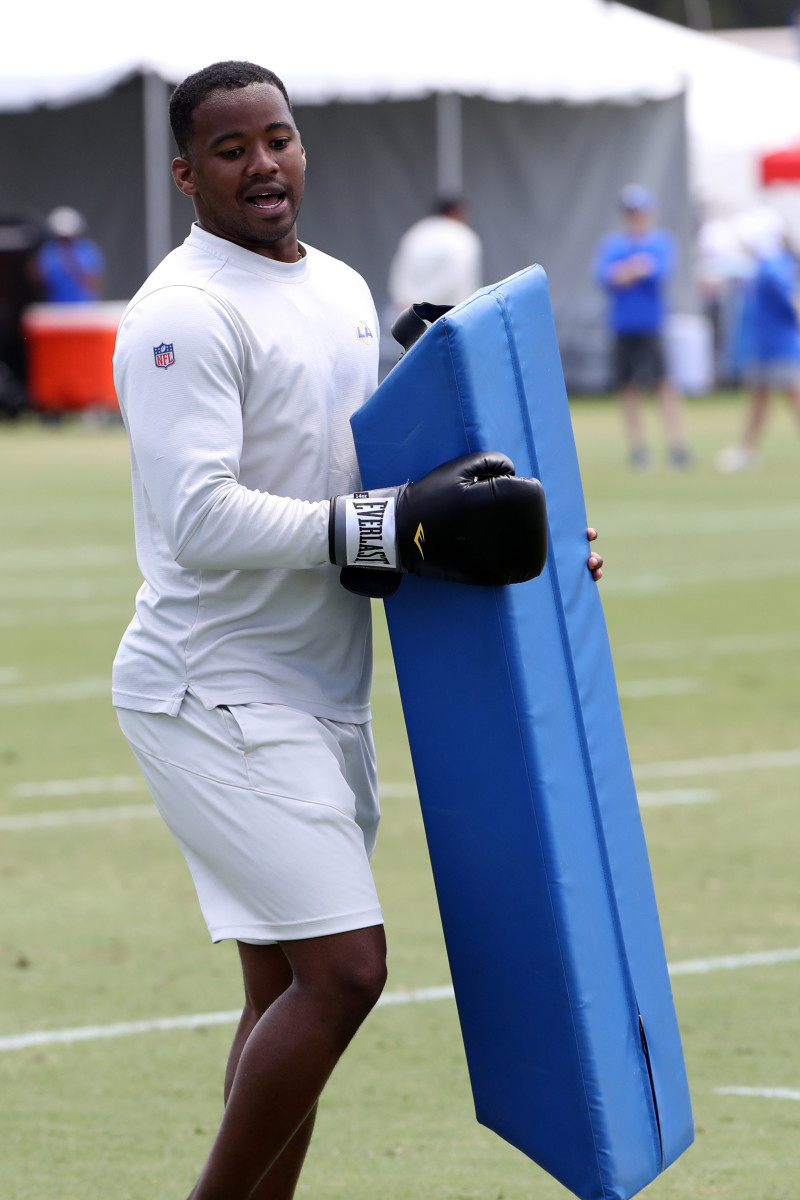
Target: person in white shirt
[
  {"x": 438, "y": 260},
  {"x": 242, "y": 682}
]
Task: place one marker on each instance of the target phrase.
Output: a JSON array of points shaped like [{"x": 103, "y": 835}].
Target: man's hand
[
  {"x": 595, "y": 561},
  {"x": 632, "y": 269},
  {"x": 470, "y": 520}
]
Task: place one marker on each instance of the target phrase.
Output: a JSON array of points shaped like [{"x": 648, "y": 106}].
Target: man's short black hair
[
  {"x": 445, "y": 205},
  {"x": 194, "y": 89}
]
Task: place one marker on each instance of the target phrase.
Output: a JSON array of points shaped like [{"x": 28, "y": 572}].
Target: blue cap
[{"x": 635, "y": 197}]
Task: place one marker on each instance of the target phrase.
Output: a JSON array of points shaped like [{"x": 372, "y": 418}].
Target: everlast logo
[{"x": 370, "y": 515}]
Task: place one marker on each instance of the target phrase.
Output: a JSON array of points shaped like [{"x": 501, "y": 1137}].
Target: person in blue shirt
[
  {"x": 633, "y": 265},
  {"x": 768, "y": 350},
  {"x": 69, "y": 266}
]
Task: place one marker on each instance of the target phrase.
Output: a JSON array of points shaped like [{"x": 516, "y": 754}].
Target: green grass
[{"x": 100, "y": 924}]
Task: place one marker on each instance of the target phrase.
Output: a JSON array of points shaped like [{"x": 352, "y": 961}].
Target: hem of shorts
[{"x": 298, "y": 930}]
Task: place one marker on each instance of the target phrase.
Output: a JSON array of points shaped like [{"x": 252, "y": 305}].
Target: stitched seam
[{"x": 249, "y": 787}]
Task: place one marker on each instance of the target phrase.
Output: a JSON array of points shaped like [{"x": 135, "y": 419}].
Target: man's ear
[{"x": 183, "y": 175}]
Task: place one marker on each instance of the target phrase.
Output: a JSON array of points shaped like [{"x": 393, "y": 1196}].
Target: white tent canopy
[
  {"x": 739, "y": 102},
  {"x": 539, "y": 111},
  {"x": 570, "y": 50}
]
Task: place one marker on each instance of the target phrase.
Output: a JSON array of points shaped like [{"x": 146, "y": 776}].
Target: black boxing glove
[{"x": 470, "y": 520}]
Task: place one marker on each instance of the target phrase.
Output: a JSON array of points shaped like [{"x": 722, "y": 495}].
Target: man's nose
[{"x": 262, "y": 161}]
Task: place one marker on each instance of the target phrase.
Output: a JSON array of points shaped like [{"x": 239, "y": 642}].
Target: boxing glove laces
[{"x": 470, "y": 520}]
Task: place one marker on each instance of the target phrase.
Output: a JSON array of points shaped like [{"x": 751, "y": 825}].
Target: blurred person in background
[
  {"x": 721, "y": 269},
  {"x": 633, "y": 265},
  {"x": 438, "y": 260},
  {"x": 69, "y": 267},
  {"x": 20, "y": 236},
  {"x": 768, "y": 349}
]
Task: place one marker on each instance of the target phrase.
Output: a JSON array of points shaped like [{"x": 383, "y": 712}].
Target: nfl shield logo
[{"x": 163, "y": 355}]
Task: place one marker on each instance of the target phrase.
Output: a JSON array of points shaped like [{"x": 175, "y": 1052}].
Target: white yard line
[
  {"x": 69, "y": 614},
  {"x": 397, "y": 791},
  {"x": 770, "y": 1093},
  {"x": 118, "y": 812},
  {"x": 620, "y": 584},
  {"x": 65, "y": 558},
  {"x": 78, "y": 689},
  {"x": 759, "y": 760},
  {"x": 672, "y": 768},
  {"x": 713, "y": 647},
  {"x": 77, "y": 816},
  {"x": 671, "y": 796},
  {"x": 132, "y": 812},
  {"x": 84, "y": 1033},
  {"x": 79, "y": 787},
  {"x": 687, "y": 520},
  {"x": 643, "y": 689},
  {"x": 653, "y": 583},
  {"x": 733, "y": 962}
]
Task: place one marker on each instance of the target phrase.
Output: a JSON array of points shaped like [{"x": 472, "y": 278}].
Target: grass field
[{"x": 100, "y": 925}]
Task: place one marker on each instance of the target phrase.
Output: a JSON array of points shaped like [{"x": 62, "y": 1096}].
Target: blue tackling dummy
[{"x": 524, "y": 778}]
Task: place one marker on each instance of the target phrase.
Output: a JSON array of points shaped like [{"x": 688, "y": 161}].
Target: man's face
[
  {"x": 246, "y": 169},
  {"x": 638, "y": 220}
]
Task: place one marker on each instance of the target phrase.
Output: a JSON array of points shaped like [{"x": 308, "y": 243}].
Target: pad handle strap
[{"x": 412, "y": 322}]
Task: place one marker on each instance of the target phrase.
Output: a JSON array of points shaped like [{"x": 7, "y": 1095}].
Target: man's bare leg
[
  {"x": 756, "y": 416},
  {"x": 267, "y": 975},
  {"x": 672, "y": 410},
  {"x": 793, "y": 396},
  {"x": 633, "y": 421},
  {"x": 281, "y": 1061}
]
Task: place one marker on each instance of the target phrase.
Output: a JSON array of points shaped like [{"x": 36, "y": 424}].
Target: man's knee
[
  {"x": 350, "y": 968},
  {"x": 364, "y": 978}
]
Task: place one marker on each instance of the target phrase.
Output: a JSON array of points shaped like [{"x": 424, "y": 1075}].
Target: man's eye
[
  {"x": 280, "y": 143},
  {"x": 234, "y": 153}
]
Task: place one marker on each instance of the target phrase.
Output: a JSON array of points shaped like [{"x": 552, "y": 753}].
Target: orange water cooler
[{"x": 69, "y": 351}]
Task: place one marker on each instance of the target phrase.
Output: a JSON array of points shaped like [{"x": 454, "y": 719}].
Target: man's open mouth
[{"x": 266, "y": 200}]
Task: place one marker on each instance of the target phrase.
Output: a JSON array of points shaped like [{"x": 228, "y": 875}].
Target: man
[
  {"x": 69, "y": 266},
  {"x": 438, "y": 260},
  {"x": 633, "y": 265},
  {"x": 768, "y": 349},
  {"x": 242, "y": 683}
]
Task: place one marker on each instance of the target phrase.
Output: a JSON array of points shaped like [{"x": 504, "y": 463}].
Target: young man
[
  {"x": 242, "y": 683},
  {"x": 633, "y": 265}
]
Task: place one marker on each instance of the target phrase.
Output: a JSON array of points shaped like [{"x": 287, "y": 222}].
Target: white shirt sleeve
[{"x": 185, "y": 427}]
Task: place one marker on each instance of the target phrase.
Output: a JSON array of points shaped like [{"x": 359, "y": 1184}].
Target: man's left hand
[{"x": 595, "y": 560}]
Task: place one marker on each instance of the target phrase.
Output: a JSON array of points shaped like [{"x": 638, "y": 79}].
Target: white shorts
[{"x": 275, "y": 810}]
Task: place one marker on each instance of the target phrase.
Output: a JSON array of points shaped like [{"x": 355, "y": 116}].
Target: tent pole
[
  {"x": 449, "y": 168},
  {"x": 157, "y": 182}
]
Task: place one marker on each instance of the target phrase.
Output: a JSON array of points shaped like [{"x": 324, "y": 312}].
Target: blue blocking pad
[{"x": 524, "y": 778}]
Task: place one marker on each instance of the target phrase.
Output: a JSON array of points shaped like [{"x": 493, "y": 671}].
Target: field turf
[{"x": 100, "y": 926}]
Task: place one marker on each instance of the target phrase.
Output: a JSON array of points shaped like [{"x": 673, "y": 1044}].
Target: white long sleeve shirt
[{"x": 236, "y": 377}]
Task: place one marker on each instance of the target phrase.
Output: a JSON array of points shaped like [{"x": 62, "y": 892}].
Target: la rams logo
[
  {"x": 364, "y": 332},
  {"x": 164, "y": 355}
]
